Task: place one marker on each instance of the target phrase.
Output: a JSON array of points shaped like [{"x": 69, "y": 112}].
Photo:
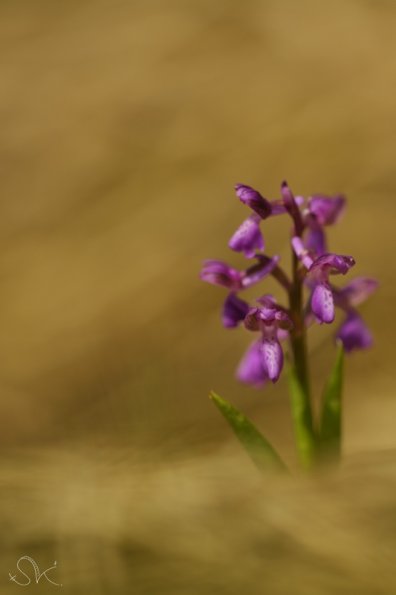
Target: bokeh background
[{"x": 124, "y": 126}]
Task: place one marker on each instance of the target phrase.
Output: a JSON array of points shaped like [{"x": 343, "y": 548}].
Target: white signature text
[{"x": 37, "y": 574}]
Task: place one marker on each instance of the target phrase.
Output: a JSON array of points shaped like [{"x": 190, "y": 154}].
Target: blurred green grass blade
[
  {"x": 258, "y": 448},
  {"x": 330, "y": 423},
  {"x": 302, "y": 418}
]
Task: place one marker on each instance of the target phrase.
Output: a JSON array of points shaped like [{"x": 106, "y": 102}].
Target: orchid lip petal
[
  {"x": 322, "y": 303},
  {"x": 272, "y": 358},
  {"x": 251, "y": 369}
]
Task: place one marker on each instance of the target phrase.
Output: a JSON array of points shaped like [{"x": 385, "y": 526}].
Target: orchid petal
[
  {"x": 220, "y": 273},
  {"x": 316, "y": 241},
  {"x": 272, "y": 358},
  {"x": 248, "y": 237},
  {"x": 326, "y": 209},
  {"x": 354, "y": 334},
  {"x": 292, "y": 207},
  {"x": 262, "y": 269},
  {"x": 357, "y": 290},
  {"x": 234, "y": 311},
  {"x": 301, "y": 252},
  {"x": 251, "y": 369},
  {"x": 322, "y": 303},
  {"x": 332, "y": 264},
  {"x": 253, "y": 199}
]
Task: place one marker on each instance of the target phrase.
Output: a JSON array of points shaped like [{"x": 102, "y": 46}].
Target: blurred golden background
[{"x": 124, "y": 126}]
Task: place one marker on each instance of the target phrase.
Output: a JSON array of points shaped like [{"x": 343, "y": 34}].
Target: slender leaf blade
[
  {"x": 256, "y": 445},
  {"x": 331, "y": 419}
]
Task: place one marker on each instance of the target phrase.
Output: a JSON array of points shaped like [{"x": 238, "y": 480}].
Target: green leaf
[
  {"x": 302, "y": 418},
  {"x": 330, "y": 423},
  {"x": 258, "y": 448}
]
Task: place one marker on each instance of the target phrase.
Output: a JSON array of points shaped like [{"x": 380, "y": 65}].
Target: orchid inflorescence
[
  {"x": 313, "y": 268},
  {"x": 264, "y": 358}
]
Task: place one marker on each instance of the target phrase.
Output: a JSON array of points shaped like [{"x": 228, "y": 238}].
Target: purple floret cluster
[{"x": 313, "y": 267}]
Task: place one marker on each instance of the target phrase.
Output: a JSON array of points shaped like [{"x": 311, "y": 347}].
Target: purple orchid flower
[
  {"x": 264, "y": 359},
  {"x": 234, "y": 311},
  {"x": 248, "y": 237},
  {"x": 220, "y": 273},
  {"x": 253, "y": 199},
  {"x": 292, "y": 206},
  {"x": 322, "y": 301},
  {"x": 321, "y": 211},
  {"x": 263, "y": 207},
  {"x": 327, "y": 210},
  {"x": 353, "y": 332}
]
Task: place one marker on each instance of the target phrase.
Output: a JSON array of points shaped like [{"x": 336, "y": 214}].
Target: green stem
[{"x": 299, "y": 378}]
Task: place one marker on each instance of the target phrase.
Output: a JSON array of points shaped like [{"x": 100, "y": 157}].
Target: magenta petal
[
  {"x": 262, "y": 269},
  {"x": 267, "y": 300},
  {"x": 292, "y": 207},
  {"x": 282, "y": 334},
  {"x": 288, "y": 197},
  {"x": 316, "y": 241},
  {"x": 268, "y": 317},
  {"x": 357, "y": 291},
  {"x": 277, "y": 207},
  {"x": 251, "y": 369},
  {"x": 234, "y": 311},
  {"x": 272, "y": 358},
  {"x": 322, "y": 303},
  {"x": 326, "y": 209},
  {"x": 220, "y": 273},
  {"x": 301, "y": 252},
  {"x": 253, "y": 199},
  {"x": 248, "y": 238},
  {"x": 253, "y": 319},
  {"x": 354, "y": 334},
  {"x": 333, "y": 263}
]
